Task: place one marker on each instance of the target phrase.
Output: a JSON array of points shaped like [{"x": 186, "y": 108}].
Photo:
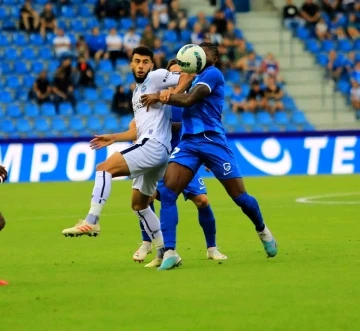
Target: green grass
[{"x": 59, "y": 283}]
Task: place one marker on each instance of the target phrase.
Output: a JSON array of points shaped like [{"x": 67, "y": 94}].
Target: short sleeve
[
  {"x": 164, "y": 78},
  {"x": 210, "y": 78}
]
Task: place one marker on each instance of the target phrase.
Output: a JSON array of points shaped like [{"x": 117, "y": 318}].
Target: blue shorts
[
  {"x": 209, "y": 148},
  {"x": 196, "y": 187}
]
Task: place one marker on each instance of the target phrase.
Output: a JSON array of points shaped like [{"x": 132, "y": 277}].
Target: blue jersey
[
  {"x": 175, "y": 118},
  {"x": 206, "y": 115}
]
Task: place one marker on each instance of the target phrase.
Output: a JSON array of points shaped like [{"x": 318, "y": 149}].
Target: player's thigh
[
  {"x": 116, "y": 165},
  {"x": 139, "y": 201},
  {"x": 195, "y": 188},
  {"x": 233, "y": 186}
]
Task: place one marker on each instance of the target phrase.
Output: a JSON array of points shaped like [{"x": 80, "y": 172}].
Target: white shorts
[{"x": 147, "y": 162}]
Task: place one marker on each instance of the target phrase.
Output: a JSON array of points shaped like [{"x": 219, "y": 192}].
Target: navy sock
[
  {"x": 152, "y": 206},
  {"x": 168, "y": 217},
  {"x": 207, "y": 222},
  {"x": 145, "y": 236},
  {"x": 251, "y": 209}
]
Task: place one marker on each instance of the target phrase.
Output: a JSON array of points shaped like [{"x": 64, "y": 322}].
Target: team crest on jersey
[
  {"x": 227, "y": 166},
  {"x": 143, "y": 88},
  {"x": 201, "y": 182}
]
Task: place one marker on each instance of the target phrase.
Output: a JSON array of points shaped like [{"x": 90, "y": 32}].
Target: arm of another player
[
  {"x": 3, "y": 174},
  {"x": 104, "y": 140}
]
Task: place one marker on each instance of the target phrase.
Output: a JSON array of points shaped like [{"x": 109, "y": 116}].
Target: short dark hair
[
  {"x": 171, "y": 63},
  {"x": 212, "y": 47},
  {"x": 142, "y": 50}
]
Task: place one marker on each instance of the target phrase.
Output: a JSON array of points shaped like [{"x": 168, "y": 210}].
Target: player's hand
[
  {"x": 3, "y": 174},
  {"x": 150, "y": 99},
  {"x": 165, "y": 96},
  {"x": 102, "y": 141}
]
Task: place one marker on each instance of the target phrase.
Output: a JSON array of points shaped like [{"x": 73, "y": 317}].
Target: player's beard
[{"x": 140, "y": 80}]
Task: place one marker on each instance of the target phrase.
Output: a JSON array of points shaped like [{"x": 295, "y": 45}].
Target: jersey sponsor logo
[
  {"x": 143, "y": 88},
  {"x": 270, "y": 150}
]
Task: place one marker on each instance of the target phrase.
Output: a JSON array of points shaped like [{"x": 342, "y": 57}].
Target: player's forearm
[
  {"x": 184, "y": 83},
  {"x": 179, "y": 100},
  {"x": 129, "y": 135}
]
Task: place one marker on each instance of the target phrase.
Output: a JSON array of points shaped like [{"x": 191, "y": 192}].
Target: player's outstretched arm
[{"x": 104, "y": 140}]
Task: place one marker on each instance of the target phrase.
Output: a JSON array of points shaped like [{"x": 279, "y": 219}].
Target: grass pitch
[{"x": 59, "y": 283}]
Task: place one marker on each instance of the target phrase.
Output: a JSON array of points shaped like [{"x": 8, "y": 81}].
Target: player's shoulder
[
  {"x": 161, "y": 74},
  {"x": 213, "y": 73}
]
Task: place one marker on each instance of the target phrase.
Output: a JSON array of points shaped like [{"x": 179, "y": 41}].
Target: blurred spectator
[
  {"x": 137, "y": 6},
  {"x": 114, "y": 47},
  {"x": 291, "y": 15},
  {"x": 120, "y": 103},
  {"x": 159, "y": 54},
  {"x": 178, "y": 15},
  {"x": 270, "y": 67},
  {"x": 330, "y": 6},
  {"x": 82, "y": 48},
  {"x": 202, "y": 21},
  {"x": 66, "y": 67},
  {"x": 220, "y": 22},
  {"x": 350, "y": 63},
  {"x": 229, "y": 10},
  {"x": 348, "y": 5},
  {"x": 355, "y": 75},
  {"x": 240, "y": 51},
  {"x": 230, "y": 39},
  {"x": 100, "y": 9},
  {"x": 310, "y": 12},
  {"x": 148, "y": 37},
  {"x": 62, "y": 45},
  {"x": 321, "y": 30},
  {"x": 238, "y": 100},
  {"x": 334, "y": 67},
  {"x": 117, "y": 8},
  {"x": 41, "y": 89},
  {"x": 63, "y": 89},
  {"x": 47, "y": 20},
  {"x": 97, "y": 45},
  {"x": 256, "y": 98},
  {"x": 131, "y": 41},
  {"x": 213, "y": 36},
  {"x": 250, "y": 66},
  {"x": 352, "y": 27},
  {"x": 86, "y": 73},
  {"x": 274, "y": 94},
  {"x": 224, "y": 62},
  {"x": 355, "y": 95},
  {"x": 29, "y": 18},
  {"x": 160, "y": 15},
  {"x": 197, "y": 36}
]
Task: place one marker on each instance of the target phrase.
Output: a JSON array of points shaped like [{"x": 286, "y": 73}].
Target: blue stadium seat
[
  {"x": 28, "y": 81},
  {"x": 31, "y": 110},
  {"x": 9, "y": 24},
  {"x": 100, "y": 80},
  {"x": 231, "y": 119},
  {"x": 142, "y": 22},
  {"x": 122, "y": 62},
  {"x": 83, "y": 108},
  {"x": 105, "y": 66},
  {"x": 4, "y": 40},
  {"x": 94, "y": 124},
  {"x": 90, "y": 94},
  {"x": 48, "y": 109},
  {"x": 92, "y": 22},
  {"x": 37, "y": 67},
  {"x": 68, "y": 11},
  {"x": 343, "y": 86},
  {"x": 28, "y": 53},
  {"x": 62, "y": 24},
  {"x": 298, "y": 118},
  {"x": 13, "y": 82},
  {"x": 291, "y": 127},
  {"x": 41, "y": 125},
  {"x": 274, "y": 128},
  {"x": 257, "y": 128},
  {"x": 281, "y": 118},
  {"x": 191, "y": 21},
  {"x": 20, "y": 68},
  {"x": 264, "y": 118},
  {"x": 101, "y": 108},
  {"x": 170, "y": 36},
  {"x": 109, "y": 23},
  {"x": 3, "y": 13},
  {"x": 84, "y": 11},
  {"x": 23, "y": 125},
  {"x": 345, "y": 45},
  {"x": 5, "y": 97},
  {"x": 22, "y": 94},
  {"x": 52, "y": 66},
  {"x": 248, "y": 119},
  {"x": 46, "y": 53},
  {"x": 13, "y": 110},
  {"x": 77, "y": 25},
  {"x": 328, "y": 45},
  {"x": 357, "y": 45},
  {"x": 65, "y": 109},
  {"x": 322, "y": 59},
  {"x": 107, "y": 94},
  {"x": 302, "y": 33},
  {"x": 5, "y": 68},
  {"x": 7, "y": 126},
  {"x": 11, "y": 54},
  {"x": 308, "y": 127},
  {"x": 58, "y": 124},
  {"x": 36, "y": 39},
  {"x": 115, "y": 79},
  {"x": 111, "y": 124},
  {"x": 125, "y": 23},
  {"x": 2, "y": 112},
  {"x": 185, "y": 36},
  {"x": 19, "y": 39},
  {"x": 76, "y": 123},
  {"x": 312, "y": 46}
]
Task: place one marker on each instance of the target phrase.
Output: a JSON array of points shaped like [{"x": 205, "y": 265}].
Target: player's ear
[{"x": 152, "y": 66}]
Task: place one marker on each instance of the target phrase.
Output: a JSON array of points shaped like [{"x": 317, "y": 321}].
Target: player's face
[
  {"x": 210, "y": 57},
  {"x": 141, "y": 65}
]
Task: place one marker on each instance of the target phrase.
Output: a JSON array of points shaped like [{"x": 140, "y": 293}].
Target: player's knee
[
  {"x": 200, "y": 201},
  {"x": 101, "y": 167}
]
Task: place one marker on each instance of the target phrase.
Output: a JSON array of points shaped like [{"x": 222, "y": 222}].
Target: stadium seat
[
  {"x": 13, "y": 110},
  {"x": 65, "y": 109},
  {"x": 48, "y": 109},
  {"x": 84, "y": 11},
  {"x": 185, "y": 36},
  {"x": 23, "y": 125},
  {"x": 77, "y": 25},
  {"x": 5, "y": 68},
  {"x": 20, "y": 68},
  {"x": 142, "y": 22},
  {"x": 58, "y": 124},
  {"x": 170, "y": 36},
  {"x": 90, "y": 94},
  {"x": 7, "y": 126},
  {"x": 345, "y": 45},
  {"x": 19, "y": 39},
  {"x": 302, "y": 33},
  {"x": 68, "y": 12},
  {"x": 274, "y": 128},
  {"x": 22, "y": 94},
  {"x": 41, "y": 125},
  {"x": 2, "y": 112},
  {"x": 94, "y": 124},
  {"x": 125, "y": 23},
  {"x": 5, "y": 97},
  {"x": 322, "y": 59},
  {"x": 9, "y": 24},
  {"x": 46, "y": 53},
  {"x": 3, "y": 13},
  {"x": 11, "y": 54},
  {"x": 28, "y": 53},
  {"x": 105, "y": 66},
  {"x": 4, "y": 40},
  {"x": 101, "y": 108},
  {"x": 36, "y": 40},
  {"x": 248, "y": 119},
  {"x": 231, "y": 119},
  {"x": 312, "y": 46},
  {"x": 308, "y": 127},
  {"x": 76, "y": 123},
  {"x": 109, "y": 23},
  {"x": 107, "y": 94},
  {"x": 115, "y": 79},
  {"x": 31, "y": 110},
  {"x": 291, "y": 127},
  {"x": 298, "y": 118},
  {"x": 328, "y": 45},
  {"x": 264, "y": 118},
  {"x": 28, "y": 81},
  {"x": 37, "y": 67},
  {"x": 100, "y": 80},
  {"x": 13, "y": 82},
  {"x": 281, "y": 118},
  {"x": 111, "y": 124},
  {"x": 83, "y": 108},
  {"x": 257, "y": 128}
]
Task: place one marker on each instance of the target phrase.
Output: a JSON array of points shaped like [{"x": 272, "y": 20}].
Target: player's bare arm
[{"x": 104, "y": 140}]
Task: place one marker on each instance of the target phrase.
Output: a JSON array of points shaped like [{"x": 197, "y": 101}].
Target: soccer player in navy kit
[{"x": 203, "y": 141}]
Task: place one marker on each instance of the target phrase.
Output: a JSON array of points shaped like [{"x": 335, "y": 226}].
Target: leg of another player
[
  {"x": 235, "y": 187},
  {"x": 207, "y": 222},
  {"x": 176, "y": 178},
  {"x": 114, "y": 166}
]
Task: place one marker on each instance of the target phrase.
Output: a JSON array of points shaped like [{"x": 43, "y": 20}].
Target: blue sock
[
  {"x": 168, "y": 217},
  {"x": 145, "y": 236},
  {"x": 251, "y": 209},
  {"x": 207, "y": 222},
  {"x": 152, "y": 206}
]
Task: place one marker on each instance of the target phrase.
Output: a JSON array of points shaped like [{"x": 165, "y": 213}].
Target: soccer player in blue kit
[{"x": 203, "y": 141}]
